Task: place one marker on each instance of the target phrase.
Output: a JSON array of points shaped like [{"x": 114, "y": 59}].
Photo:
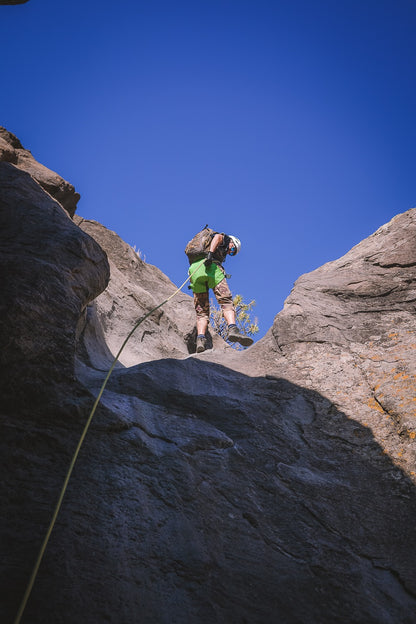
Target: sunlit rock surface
[{"x": 12, "y": 151}]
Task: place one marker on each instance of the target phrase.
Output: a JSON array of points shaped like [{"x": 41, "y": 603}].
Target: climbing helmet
[{"x": 236, "y": 245}]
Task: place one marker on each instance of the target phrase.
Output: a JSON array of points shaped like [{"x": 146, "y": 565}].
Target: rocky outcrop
[
  {"x": 50, "y": 270},
  {"x": 275, "y": 484},
  {"x": 12, "y": 151},
  {"x": 347, "y": 330}
]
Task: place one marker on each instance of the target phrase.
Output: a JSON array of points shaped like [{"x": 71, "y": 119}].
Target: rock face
[
  {"x": 12, "y": 151},
  {"x": 271, "y": 485},
  {"x": 348, "y": 330},
  {"x": 50, "y": 270}
]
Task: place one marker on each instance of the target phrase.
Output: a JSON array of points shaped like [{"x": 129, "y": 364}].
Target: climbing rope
[{"x": 78, "y": 448}]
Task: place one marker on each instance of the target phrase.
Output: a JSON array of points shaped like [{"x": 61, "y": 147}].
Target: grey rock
[
  {"x": 12, "y": 151},
  {"x": 356, "y": 297},
  {"x": 271, "y": 485},
  {"x": 347, "y": 330},
  {"x": 227, "y": 498},
  {"x": 50, "y": 270}
]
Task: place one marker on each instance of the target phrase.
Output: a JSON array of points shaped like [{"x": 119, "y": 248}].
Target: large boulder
[{"x": 50, "y": 271}]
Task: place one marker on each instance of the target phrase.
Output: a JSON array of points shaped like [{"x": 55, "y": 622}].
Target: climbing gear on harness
[
  {"x": 210, "y": 258},
  {"x": 78, "y": 448},
  {"x": 234, "y": 335}
]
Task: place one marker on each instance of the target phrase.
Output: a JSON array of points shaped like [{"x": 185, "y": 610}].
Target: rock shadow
[{"x": 203, "y": 495}]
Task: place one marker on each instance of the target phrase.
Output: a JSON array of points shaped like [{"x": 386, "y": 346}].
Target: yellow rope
[{"x": 77, "y": 450}]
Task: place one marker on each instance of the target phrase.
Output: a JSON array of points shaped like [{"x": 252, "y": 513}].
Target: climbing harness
[{"x": 78, "y": 448}]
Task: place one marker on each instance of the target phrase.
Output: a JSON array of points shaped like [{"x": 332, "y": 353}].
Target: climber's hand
[{"x": 208, "y": 261}]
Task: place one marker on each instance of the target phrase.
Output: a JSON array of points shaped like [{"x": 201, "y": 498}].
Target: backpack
[{"x": 198, "y": 246}]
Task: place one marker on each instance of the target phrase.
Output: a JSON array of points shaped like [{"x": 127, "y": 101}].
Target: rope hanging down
[{"x": 78, "y": 448}]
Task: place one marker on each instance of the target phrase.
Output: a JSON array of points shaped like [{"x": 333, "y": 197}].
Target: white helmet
[{"x": 237, "y": 244}]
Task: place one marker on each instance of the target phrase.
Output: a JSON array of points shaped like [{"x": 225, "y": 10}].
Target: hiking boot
[
  {"x": 200, "y": 344},
  {"x": 234, "y": 335}
]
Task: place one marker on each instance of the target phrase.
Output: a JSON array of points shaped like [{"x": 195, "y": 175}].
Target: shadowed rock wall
[{"x": 50, "y": 270}]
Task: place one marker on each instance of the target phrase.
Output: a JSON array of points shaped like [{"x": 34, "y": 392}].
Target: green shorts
[{"x": 205, "y": 277}]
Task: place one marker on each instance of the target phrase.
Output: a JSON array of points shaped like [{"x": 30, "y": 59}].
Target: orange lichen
[{"x": 372, "y": 403}]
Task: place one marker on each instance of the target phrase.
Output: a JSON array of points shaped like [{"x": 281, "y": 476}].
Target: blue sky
[{"x": 289, "y": 123}]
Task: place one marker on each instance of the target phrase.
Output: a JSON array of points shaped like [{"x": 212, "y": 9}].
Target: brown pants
[{"x": 222, "y": 294}]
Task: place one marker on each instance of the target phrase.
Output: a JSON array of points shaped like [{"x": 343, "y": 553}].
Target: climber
[{"x": 211, "y": 274}]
